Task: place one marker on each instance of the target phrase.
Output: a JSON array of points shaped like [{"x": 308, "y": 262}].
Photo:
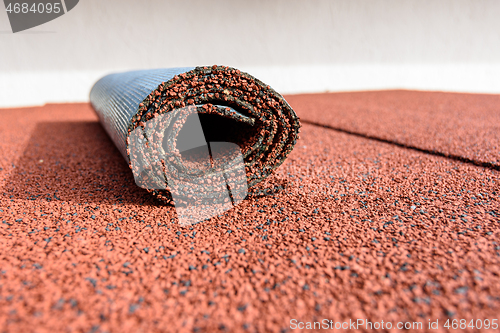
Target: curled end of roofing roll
[{"x": 247, "y": 129}]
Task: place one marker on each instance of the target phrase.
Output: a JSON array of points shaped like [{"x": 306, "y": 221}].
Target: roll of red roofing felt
[{"x": 155, "y": 118}]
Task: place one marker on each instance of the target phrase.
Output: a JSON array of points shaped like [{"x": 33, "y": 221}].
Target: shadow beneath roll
[{"x": 74, "y": 162}]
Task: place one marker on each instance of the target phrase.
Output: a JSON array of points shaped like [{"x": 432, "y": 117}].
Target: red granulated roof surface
[{"x": 387, "y": 209}]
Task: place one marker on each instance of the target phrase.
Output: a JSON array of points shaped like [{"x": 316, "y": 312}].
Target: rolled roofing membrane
[{"x": 196, "y": 137}]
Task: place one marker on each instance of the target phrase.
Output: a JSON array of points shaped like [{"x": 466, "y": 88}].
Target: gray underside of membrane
[
  {"x": 217, "y": 179},
  {"x": 116, "y": 99}
]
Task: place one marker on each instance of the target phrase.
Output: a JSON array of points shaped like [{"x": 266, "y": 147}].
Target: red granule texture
[
  {"x": 349, "y": 227},
  {"x": 458, "y": 125}
]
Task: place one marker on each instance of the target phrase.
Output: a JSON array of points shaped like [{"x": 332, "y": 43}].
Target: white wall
[{"x": 293, "y": 45}]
